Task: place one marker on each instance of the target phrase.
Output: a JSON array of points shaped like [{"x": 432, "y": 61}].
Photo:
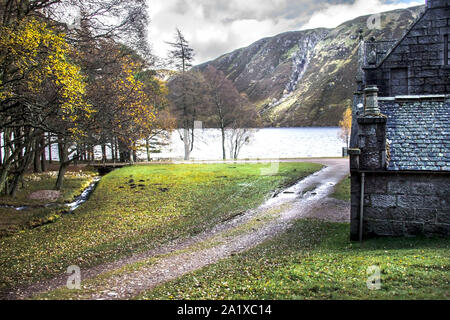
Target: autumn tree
[
  {"x": 43, "y": 87},
  {"x": 346, "y": 125},
  {"x": 157, "y": 91},
  {"x": 124, "y": 109},
  {"x": 40, "y": 90}
]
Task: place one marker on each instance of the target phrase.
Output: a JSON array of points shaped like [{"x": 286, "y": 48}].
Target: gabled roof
[
  {"x": 396, "y": 43},
  {"x": 418, "y": 133}
]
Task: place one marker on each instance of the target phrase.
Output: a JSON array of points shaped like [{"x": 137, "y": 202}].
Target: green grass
[
  {"x": 315, "y": 260},
  {"x": 12, "y": 221},
  {"x": 175, "y": 201},
  {"x": 342, "y": 190}
]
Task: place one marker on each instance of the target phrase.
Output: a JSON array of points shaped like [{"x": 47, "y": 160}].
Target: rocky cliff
[{"x": 307, "y": 78}]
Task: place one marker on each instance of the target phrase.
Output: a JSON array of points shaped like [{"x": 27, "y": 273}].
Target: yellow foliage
[
  {"x": 35, "y": 56},
  {"x": 346, "y": 125}
]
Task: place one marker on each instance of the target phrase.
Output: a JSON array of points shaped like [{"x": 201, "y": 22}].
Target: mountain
[{"x": 307, "y": 78}]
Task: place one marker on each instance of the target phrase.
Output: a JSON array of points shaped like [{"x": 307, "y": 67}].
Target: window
[{"x": 446, "y": 57}]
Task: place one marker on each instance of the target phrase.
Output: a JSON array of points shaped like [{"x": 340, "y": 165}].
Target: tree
[
  {"x": 346, "y": 126},
  {"x": 237, "y": 138},
  {"x": 181, "y": 55},
  {"x": 123, "y": 21},
  {"x": 188, "y": 98},
  {"x": 124, "y": 107},
  {"x": 12, "y": 11},
  {"x": 186, "y": 87},
  {"x": 165, "y": 123},
  {"x": 225, "y": 99},
  {"x": 243, "y": 127},
  {"x": 40, "y": 90},
  {"x": 161, "y": 134}
]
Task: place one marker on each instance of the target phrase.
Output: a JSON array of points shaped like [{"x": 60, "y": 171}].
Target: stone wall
[
  {"x": 416, "y": 65},
  {"x": 402, "y": 204}
]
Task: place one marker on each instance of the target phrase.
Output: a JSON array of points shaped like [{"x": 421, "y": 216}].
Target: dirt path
[{"x": 307, "y": 198}]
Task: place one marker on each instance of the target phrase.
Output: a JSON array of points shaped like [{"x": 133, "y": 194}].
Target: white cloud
[
  {"x": 334, "y": 15},
  {"x": 220, "y": 26}
]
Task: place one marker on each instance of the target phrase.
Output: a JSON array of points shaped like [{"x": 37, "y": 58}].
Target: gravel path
[{"x": 308, "y": 198}]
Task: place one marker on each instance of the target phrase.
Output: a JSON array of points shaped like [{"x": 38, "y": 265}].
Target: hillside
[{"x": 306, "y": 78}]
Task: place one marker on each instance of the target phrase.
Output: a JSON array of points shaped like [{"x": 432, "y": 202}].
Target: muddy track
[{"x": 305, "y": 199}]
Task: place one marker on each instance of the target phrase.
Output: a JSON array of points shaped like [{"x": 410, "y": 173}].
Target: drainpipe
[{"x": 361, "y": 208}]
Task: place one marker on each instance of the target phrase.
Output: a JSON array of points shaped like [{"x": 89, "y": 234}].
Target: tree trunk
[
  {"x": 1, "y": 148},
  {"x": 134, "y": 152},
  {"x": 147, "y": 147},
  {"x": 85, "y": 155},
  {"x": 113, "y": 151},
  {"x": 4, "y": 175},
  {"x": 64, "y": 163},
  {"x": 124, "y": 151},
  {"x": 103, "y": 153},
  {"x": 43, "y": 159},
  {"x": 77, "y": 155},
  {"x": 37, "y": 155},
  {"x": 187, "y": 147},
  {"x": 223, "y": 143},
  {"x": 25, "y": 162},
  {"x": 235, "y": 155},
  {"x": 62, "y": 171},
  {"x": 91, "y": 154},
  {"x": 7, "y": 161},
  {"x": 116, "y": 149},
  {"x": 50, "y": 160}
]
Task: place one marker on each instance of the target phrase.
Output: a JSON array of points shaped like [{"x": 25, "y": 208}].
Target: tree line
[
  {"x": 80, "y": 74},
  {"x": 81, "y": 83},
  {"x": 209, "y": 96}
]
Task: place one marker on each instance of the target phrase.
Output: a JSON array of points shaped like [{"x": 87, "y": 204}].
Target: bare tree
[
  {"x": 245, "y": 123},
  {"x": 188, "y": 95},
  {"x": 225, "y": 100}
]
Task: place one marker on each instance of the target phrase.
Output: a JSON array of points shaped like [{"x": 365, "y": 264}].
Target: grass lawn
[
  {"x": 12, "y": 221},
  {"x": 138, "y": 208},
  {"x": 342, "y": 190},
  {"x": 316, "y": 260}
]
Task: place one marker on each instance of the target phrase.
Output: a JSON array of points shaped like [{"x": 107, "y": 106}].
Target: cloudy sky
[{"x": 215, "y": 27}]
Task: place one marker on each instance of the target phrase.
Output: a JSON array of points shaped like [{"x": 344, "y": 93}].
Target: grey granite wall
[{"x": 403, "y": 204}]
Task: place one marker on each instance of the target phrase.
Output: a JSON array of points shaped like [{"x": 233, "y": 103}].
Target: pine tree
[{"x": 181, "y": 56}]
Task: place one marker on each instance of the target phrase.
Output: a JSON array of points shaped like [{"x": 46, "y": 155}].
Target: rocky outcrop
[{"x": 268, "y": 67}]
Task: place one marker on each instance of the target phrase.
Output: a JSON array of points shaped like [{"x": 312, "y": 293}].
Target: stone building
[{"x": 400, "y": 142}]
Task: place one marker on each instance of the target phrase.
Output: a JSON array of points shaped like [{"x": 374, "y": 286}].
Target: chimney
[
  {"x": 371, "y": 97},
  {"x": 372, "y": 133}
]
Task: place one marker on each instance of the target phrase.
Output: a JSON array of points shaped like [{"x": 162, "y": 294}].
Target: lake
[{"x": 266, "y": 143}]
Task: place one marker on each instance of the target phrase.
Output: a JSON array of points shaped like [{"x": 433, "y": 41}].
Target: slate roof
[{"x": 418, "y": 134}]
